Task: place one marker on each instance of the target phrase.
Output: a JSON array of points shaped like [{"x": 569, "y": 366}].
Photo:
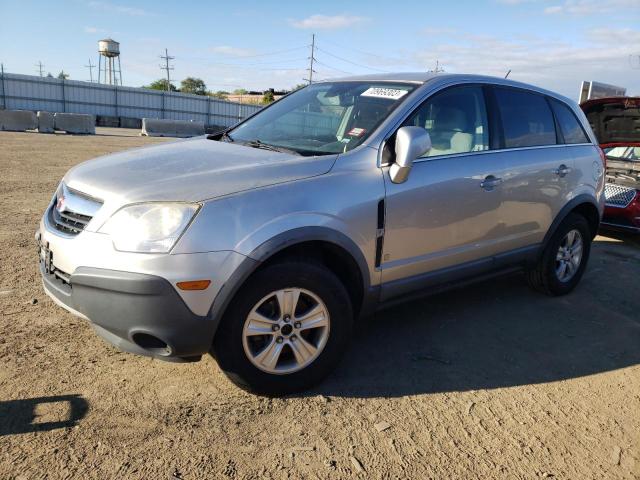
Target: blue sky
[{"x": 552, "y": 43}]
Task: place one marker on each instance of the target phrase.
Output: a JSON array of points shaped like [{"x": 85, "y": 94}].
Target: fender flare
[
  {"x": 566, "y": 210},
  {"x": 274, "y": 245}
]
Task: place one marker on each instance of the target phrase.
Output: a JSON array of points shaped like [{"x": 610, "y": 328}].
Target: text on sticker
[{"x": 390, "y": 93}]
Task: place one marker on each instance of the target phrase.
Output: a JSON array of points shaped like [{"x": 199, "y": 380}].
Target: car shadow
[
  {"x": 495, "y": 334},
  {"x": 27, "y": 415},
  {"x": 632, "y": 239}
]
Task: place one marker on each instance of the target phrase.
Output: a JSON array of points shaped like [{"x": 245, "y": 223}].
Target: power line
[
  {"x": 40, "y": 68},
  {"x": 166, "y": 66},
  {"x": 246, "y": 65},
  {"x": 333, "y": 68},
  {"x": 438, "y": 69},
  {"x": 351, "y": 62},
  {"x": 274, "y": 53},
  {"x": 395, "y": 59},
  {"x": 91, "y": 67}
]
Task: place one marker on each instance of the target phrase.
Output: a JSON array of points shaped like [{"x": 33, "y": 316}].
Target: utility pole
[
  {"x": 90, "y": 67},
  {"x": 4, "y": 94},
  {"x": 312, "y": 58},
  {"x": 40, "y": 68},
  {"x": 166, "y": 66},
  {"x": 437, "y": 69}
]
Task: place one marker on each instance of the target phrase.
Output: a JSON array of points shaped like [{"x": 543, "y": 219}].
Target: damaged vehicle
[
  {"x": 616, "y": 123},
  {"x": 263, "y": 244}
]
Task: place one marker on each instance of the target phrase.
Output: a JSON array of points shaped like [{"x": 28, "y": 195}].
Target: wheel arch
[
  {"x": 583, "y": 204},
  {"x": 319, "y": 244}
]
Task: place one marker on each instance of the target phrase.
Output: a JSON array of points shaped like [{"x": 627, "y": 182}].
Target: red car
[{"x": 616, "y": 123}]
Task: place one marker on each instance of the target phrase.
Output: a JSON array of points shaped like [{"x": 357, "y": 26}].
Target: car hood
[
  {"x": 190, "y": 170},
  {"x": 615, "y": 121}
]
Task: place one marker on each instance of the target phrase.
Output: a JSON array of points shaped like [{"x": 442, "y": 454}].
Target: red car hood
[{"x": 615, "y": 121}]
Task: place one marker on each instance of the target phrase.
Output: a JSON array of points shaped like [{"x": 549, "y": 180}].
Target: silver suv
[{"x": 263, "y": 244}]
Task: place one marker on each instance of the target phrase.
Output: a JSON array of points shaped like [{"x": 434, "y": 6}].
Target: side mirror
[{"x": 411, "y": 143}]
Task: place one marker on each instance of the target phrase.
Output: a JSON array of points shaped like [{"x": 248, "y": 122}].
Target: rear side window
[
  {"x": 526, "y": 118},
  {"x": 569, "y": 126}
]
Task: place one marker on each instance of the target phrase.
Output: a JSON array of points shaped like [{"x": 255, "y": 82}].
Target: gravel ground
[{"x": 489, "y": 381}]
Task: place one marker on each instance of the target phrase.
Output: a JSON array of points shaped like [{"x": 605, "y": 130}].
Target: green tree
[
  {"x": 240, "y": 91},
  {"x": 62, "y": 75},
  {"x": 193, "y": 85},
  {"x": 161, "y": 85},
  {"x": 268, "y": 97},
  {"x": 299, "y": 86}
]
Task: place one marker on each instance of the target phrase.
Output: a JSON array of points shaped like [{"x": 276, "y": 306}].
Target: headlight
[{"x": 149, "y": 227}]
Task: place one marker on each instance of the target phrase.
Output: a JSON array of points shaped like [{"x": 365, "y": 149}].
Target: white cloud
[
  {"x": 328, "y": 22},
  {"x": 615, "y": 36},
  {"x": 591, "y": 7},
  {"x": 94, "y": 30},
  {"x": 553, "y": 10},
  {"x": 515, "y": 2},
  {"x": 232, "y": 51},
  {"x": 603, "y": 55},
  {"x": 439, "y": 31},
  {"x": 123, "y": 9}
]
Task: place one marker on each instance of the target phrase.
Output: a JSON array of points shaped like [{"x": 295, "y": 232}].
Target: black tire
[
  {"x": 228, "y": 344},
  {"x": 542, "y": 277}
]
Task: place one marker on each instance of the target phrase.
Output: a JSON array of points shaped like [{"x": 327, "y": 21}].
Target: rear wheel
[
  {"x": 285, "y": 330},
  {"x": 564, "y": 259}
]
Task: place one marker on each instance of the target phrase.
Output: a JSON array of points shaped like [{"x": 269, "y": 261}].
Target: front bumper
[
  {"x": 625, "y": 219},
  {"x": 132, "y": 299},
  {"x": 136, "y": 312}
]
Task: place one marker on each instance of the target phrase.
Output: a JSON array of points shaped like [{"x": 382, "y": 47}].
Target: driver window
[{"x": 456, "y": 120}]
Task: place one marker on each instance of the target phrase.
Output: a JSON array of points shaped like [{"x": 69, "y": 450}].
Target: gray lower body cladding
[{"x": 136, "y": 312}]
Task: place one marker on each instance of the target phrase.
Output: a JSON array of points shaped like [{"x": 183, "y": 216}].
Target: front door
[{"x": 445, "y": 214}]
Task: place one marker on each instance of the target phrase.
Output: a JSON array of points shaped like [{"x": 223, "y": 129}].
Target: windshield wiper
[{"x": 265, "y": 146}]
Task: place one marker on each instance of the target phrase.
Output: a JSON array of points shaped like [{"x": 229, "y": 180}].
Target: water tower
[{"x": 110, "y": 50}]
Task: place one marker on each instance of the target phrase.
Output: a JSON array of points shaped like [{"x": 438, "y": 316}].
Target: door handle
[
  {"x": 490, "y": 182},
  {"x": 562, "y": 170}
]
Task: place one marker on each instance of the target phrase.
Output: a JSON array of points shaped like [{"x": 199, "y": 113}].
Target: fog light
[{"x": 194, "y": 285}]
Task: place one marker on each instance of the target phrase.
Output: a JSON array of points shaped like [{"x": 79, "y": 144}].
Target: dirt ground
[{"x": 490, "y": 381}]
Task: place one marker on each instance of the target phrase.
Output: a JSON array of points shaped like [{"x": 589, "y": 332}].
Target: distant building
[
  {"x": 593, "y": 90},
  {"x": 255, "y": 98}
]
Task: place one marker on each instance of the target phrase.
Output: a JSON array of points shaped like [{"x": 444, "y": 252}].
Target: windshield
[
  {"x": 323, "y": 118},
  {"x": 624, "y": 153}
]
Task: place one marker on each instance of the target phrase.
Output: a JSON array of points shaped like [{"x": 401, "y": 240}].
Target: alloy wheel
[
  {"x": 569, "y": 256},
  {"x": 286, "y": 331}
]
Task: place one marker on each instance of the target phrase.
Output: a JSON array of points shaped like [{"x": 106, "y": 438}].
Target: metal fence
[{"x": 27, "y": 92}]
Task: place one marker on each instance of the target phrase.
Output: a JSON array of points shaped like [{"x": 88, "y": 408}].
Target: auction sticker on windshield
[{"x": 379, "y": 92}]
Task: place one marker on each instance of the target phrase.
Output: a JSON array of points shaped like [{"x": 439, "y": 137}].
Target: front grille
[
  {"x": 69, "y": 222},
  {"x": 618, "y": 195},
  {"x": 71, "y": 211}
]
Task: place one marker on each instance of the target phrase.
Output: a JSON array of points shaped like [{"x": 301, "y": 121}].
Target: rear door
[{"x": 539, "y": 168}]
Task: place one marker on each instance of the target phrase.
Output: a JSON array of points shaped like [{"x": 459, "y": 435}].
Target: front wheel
[
  {"x": 564, "y": 258},
  {"x": 285, "y": 330}
]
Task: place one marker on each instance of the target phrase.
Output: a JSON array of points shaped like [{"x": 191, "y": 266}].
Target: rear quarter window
[
  {"x": 527, "y": 120},
  {"x": 570, "y": 127}
]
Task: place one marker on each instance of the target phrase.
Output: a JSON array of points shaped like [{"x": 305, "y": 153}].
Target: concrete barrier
[
  {"x": 75, "y": 123},
  {"x": 155, "y": 127},
  {"x": 45, "y": 122},
  {"x": 18, "y": 120}
]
